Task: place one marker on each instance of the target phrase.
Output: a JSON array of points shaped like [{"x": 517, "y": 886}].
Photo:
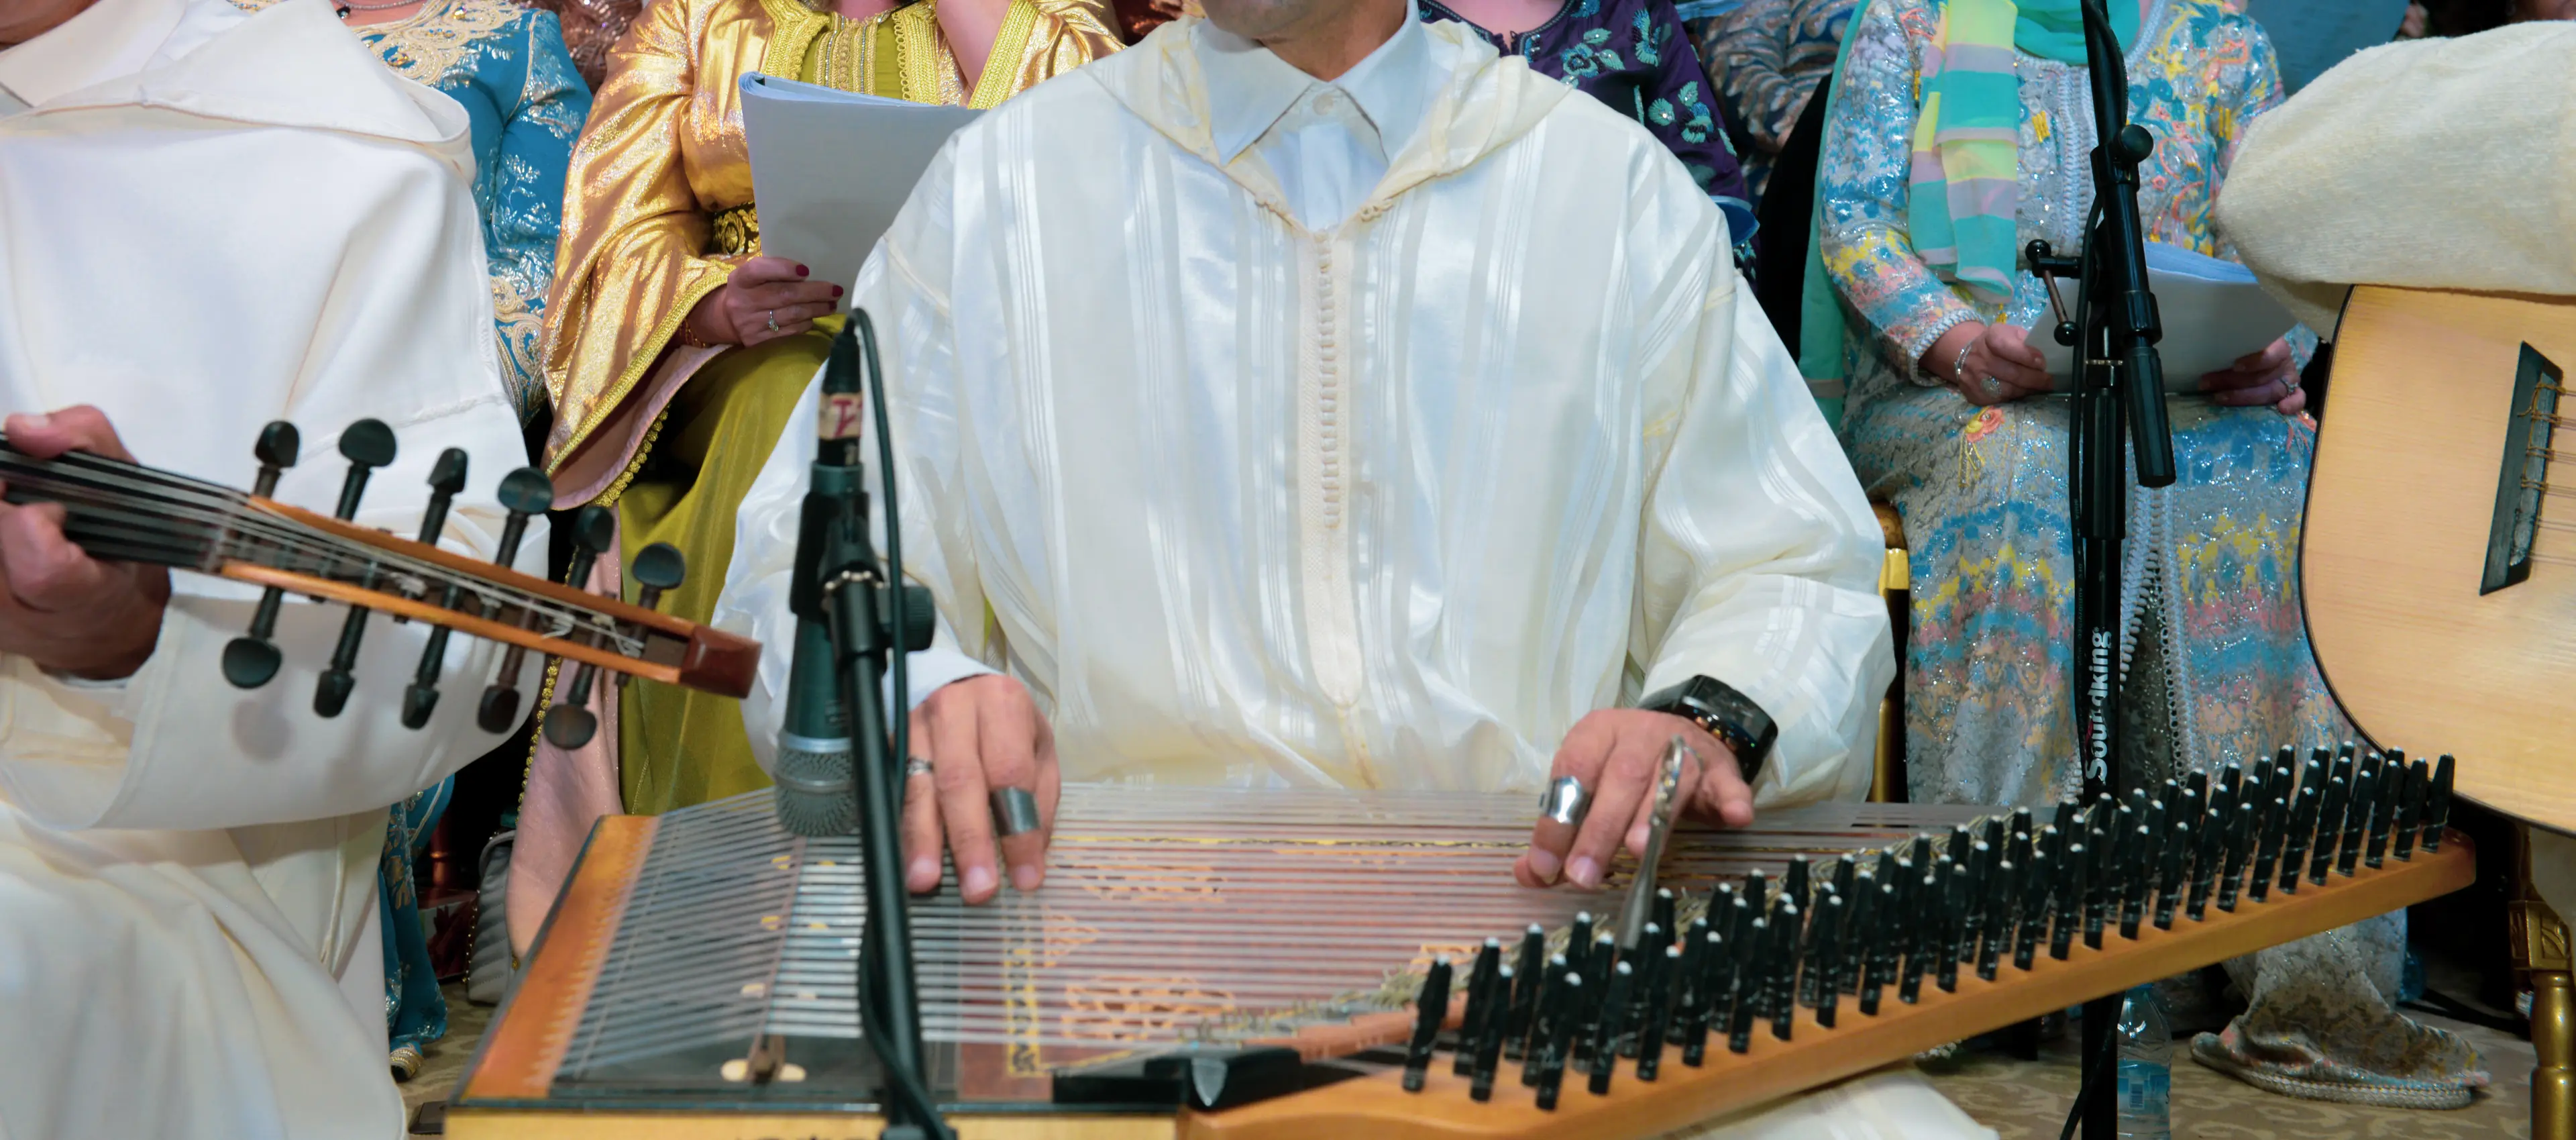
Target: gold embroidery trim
[
  {"x": 736, "y": 232},
  {"x": 1001, "y": 65},
  {"x": 916, "y": 51},
  {"x": 796, "y": 27},
  {"x": 645, "y": 356},
  {"x": 643, "y": 448}
]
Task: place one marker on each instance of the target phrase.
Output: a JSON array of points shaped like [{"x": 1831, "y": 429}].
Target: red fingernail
[
  {"x": 836, "y": 290},
  {"x": 800, "y": 271}
]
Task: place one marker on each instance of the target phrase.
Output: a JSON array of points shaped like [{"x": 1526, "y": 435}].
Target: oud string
[{"x": 100, "y": 491}]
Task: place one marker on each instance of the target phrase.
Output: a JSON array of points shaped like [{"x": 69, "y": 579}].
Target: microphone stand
[
  {"x": 837, "y": 583},
  {"x": 2119, "y": 381}
]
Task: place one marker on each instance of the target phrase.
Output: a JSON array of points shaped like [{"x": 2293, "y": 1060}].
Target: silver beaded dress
[{"x": 2216, "y": 656}]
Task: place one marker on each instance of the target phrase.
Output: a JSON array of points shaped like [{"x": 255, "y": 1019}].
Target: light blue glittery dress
[{"x": 2217, "y": 657}]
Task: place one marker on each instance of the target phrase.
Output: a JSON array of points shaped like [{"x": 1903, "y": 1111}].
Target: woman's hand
[
  {"x": 1988, "y": 365},
  {"x": 765, "y": 299},
  {"x": 2267, "y": 377}
]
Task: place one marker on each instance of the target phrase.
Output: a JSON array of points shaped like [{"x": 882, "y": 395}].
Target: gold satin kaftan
[{"x": 660, "y": 214}]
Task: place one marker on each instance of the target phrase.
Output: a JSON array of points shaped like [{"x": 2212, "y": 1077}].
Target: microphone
[{"x": 817, "y": 795}]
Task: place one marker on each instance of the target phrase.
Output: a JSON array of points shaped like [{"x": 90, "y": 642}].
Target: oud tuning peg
[
  {"x": 568, "y": 723},
  {"x": 420, "y": 698},
  {"x": 276, "y": 451},
  {"x": 446, "y": 478},
  {"x": 524, "y": 493},
  {"x": 594, "y": 530},
  {"x": 657, "y": 568},
  {"x": 251, "y": 659},
  {"x": 367, "y": 445}
]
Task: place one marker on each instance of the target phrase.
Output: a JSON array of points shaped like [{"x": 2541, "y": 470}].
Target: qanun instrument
[
  {"x": 121, "y": 511},
  {"x": 1227, "y": 964}
]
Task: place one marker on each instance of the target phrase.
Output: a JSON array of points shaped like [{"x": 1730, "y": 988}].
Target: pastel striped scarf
[{"x": 1963, "y": 184}]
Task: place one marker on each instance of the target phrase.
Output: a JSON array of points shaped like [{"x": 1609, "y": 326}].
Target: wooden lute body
[{"x": 2438, "y": 561}]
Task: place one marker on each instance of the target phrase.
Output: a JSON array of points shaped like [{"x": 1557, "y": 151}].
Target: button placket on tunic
[{"x": 1323, "y": 467}]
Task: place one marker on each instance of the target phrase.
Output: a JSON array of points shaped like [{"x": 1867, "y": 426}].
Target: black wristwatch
[{"x": 1727, "y": 714}]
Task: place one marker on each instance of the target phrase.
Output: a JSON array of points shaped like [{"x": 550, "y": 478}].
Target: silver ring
[
  {"x": 915, "y": 766},
  {"x": 2293, "y": 383},
  {"x": 773, "y": 320},
  {"x": 1015, "y": 811},
  {"x": 1565, "y": 801},
  {"x": 1992, "y": 384}
]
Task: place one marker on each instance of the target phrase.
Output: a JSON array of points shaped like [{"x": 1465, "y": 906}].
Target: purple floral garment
[{"x": 1635, "y": 56}]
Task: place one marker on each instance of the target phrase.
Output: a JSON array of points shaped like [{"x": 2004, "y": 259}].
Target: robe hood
[
  {"x": 291, "y": 64},
  {"x": 1483, "y": 105}
]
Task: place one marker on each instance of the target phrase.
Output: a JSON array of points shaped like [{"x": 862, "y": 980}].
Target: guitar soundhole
[{"x": 2523, "y": 480}]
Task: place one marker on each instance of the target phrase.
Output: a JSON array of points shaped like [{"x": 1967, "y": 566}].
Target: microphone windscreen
[{"x": 816, "y": 796}]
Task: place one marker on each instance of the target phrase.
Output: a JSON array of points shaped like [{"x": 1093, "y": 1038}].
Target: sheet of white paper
[
  {"x": 2213, "y": 313},
  {"x": 830, "y": 169}
]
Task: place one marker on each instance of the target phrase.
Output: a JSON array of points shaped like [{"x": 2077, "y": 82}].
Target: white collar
[
  {"x": 113, "y": 39},
  {"x": 1249, "y": 88}
]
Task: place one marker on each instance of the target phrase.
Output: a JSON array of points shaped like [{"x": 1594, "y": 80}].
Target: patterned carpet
[
  {"x": 444, "y": 1060},
  {"x": 2027, "y": 1100},
  {"x": 2020, "y": 1100}
]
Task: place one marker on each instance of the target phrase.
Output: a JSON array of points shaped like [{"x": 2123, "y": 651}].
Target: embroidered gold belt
[{"x": 737, "y": 232}]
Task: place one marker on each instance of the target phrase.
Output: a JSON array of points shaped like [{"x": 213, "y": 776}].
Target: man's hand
[
  {"x": 63, "y": 609},
  {"x": 978, "y": 734},
  {"x": 1617, "y": 753}
]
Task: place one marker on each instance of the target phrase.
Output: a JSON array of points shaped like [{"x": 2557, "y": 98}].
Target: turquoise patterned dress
[
  {"x": 507, "y": 67},
  {"x": 2216, "y": 654}
]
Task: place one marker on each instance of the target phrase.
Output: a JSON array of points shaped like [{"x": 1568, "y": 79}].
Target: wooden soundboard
[
  {"x": 507, "y": 1088},
  {"x": 2402, "y": 511}
]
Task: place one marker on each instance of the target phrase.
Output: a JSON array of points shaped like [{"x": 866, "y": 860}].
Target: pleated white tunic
[{"x": 1391, "y": 504}]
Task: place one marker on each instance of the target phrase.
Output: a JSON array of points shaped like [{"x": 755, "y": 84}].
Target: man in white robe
[
  {"x": 1306, "y": 396},
  {"x": 211, "y": 218}
]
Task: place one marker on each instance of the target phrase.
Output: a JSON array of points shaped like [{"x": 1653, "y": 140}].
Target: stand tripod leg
[{"x": 2553, "y": 1045}]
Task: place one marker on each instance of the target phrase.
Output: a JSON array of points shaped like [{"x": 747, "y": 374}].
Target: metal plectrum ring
[
  {"x": 1015, "y": 811},
  {"x": 1565, "y": 801}
]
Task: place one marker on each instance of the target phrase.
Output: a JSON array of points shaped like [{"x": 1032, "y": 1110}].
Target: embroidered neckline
[{"x": 433, "y": 44}]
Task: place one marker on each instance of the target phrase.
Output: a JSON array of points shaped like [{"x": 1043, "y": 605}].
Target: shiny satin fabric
[
  {"x": 662, "y": 161},
  {"x": 1391, "y": 505},
  {"x": 664, "y": 153}
]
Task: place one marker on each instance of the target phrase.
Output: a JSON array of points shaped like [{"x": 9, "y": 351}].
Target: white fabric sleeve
[
  {"x": 178, "y": 747},
  {"x": 1893, "y": 1103},
  {"x": 1759, "y": 556},
  {"x": 910, "y": 312},
  {"x": 2428, "y": 164}
]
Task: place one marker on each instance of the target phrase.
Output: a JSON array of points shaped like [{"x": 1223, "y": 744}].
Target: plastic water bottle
[{"x": 2146, "y": 1068}]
